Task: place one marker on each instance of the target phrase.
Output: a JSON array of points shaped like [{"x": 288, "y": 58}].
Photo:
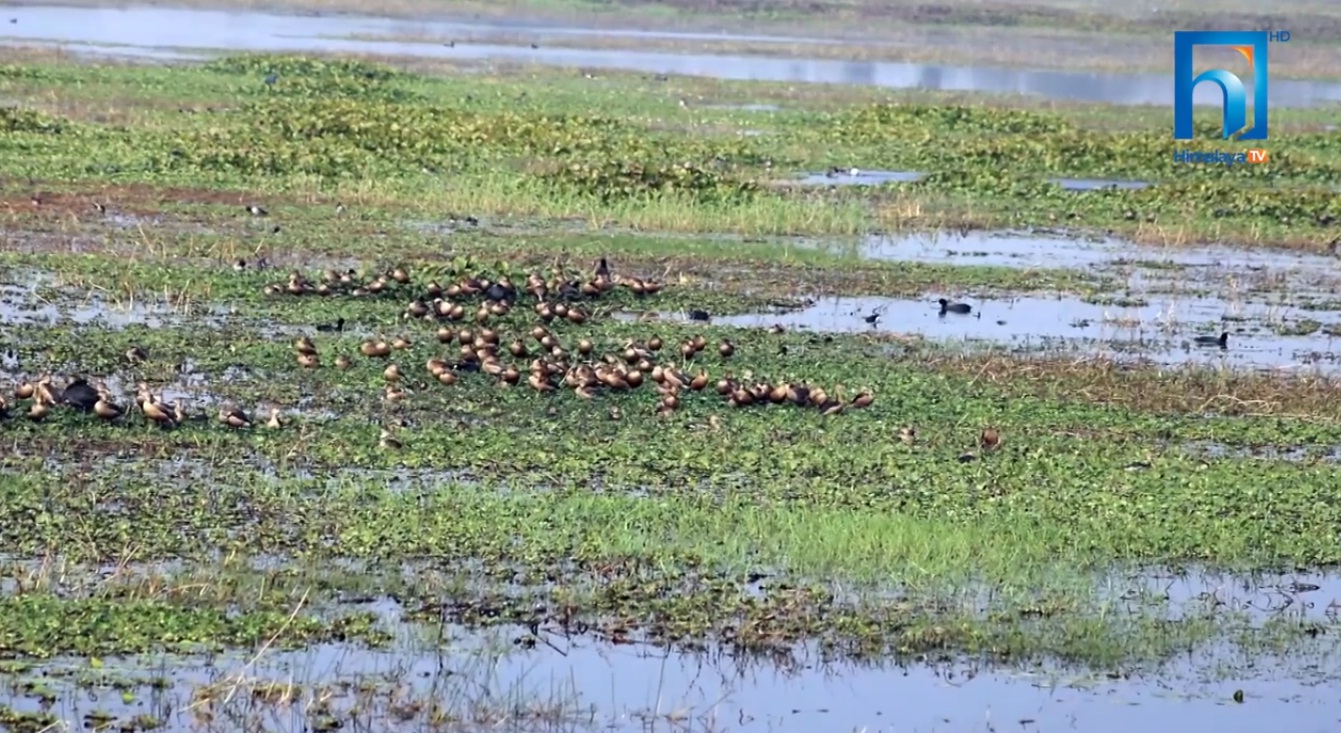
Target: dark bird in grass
[
  {"x": 698, "y": 314},
  {"x": 948, "y": 307},
  {"x": 500, "y": 292},
  {"x": 136, "y": 355},
  {"x": 831, "y": 406},
  {"x": 80, "y": 395},
  {"x": 602, "y": 270},
  {"x": 336, "y": 327},
  {"x": 1221, "y": 341},
  {"x": 271, "y": 78},
  {"x": 570, "y": 291},
  {"x": 255, "y": 210},
  {"x": 800, "y": 395}
]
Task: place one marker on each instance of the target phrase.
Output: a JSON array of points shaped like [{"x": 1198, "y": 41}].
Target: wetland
[{"x": 380, "y": 392}]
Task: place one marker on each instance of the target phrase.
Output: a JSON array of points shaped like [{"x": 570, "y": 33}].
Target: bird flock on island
[{"x": 538, "y": 359}]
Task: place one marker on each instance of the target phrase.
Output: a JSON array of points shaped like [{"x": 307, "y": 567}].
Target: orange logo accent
[{"x": 1257, "y": 155}]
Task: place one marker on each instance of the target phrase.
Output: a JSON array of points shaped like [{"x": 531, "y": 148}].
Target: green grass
[
  {"x": 531, "y": 149},
  {"x": 623, "y": 516}
]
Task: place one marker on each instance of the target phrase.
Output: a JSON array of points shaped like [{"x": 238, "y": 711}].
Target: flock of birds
[
  {"x": 545, "y": 365},
  {"x": 554, "y": 292},
  {"x": 541, "y": 362},
  {"x": 97, "y": 399}
]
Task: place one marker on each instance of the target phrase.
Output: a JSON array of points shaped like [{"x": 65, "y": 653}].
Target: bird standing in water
[
  {"x": 1221, "y": 341},
  {"x": 948, "y": 307}
]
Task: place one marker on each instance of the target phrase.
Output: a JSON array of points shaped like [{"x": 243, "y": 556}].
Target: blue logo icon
[{"x": 1253, "y": 46}]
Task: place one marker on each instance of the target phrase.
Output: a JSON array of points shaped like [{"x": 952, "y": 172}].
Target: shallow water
[
  {"x": 632, "y": 687},
  {"x": 1042, "y": 249},
  {"x": 19, "y": 305},
  {"x": 1300, "y": 596},
  {"x": 859, "y": 177},
  {"x": 1161, "y": 328},
  {"x": 157, "y": 29},
  {"x": 1298, "y": 453},
  {"x": 1095, "y": 184}
]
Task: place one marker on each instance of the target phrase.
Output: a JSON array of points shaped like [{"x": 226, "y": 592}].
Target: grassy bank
[{"x": 529, "y": 148}]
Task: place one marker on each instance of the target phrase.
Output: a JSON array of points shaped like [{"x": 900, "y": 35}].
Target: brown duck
[
  {"x": 105, "y": 408},
  {"x": 989, "y": 439},
  {"x": 156, "y": 412},
  {"x": 234, "y": 417},
  {"x": 39, "y": 410}
]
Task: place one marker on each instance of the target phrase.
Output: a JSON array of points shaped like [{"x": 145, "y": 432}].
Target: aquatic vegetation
[
  {"x": 331, "y": 124},
  {"x": 331, "y": 353},
  {"x": 17, "y": 119}
]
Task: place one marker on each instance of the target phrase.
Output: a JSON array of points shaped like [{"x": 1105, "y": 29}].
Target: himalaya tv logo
[{"x": 1252, "y": 45}]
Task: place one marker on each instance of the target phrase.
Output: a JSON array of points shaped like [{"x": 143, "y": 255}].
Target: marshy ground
[{"x": 753, "y": 476}]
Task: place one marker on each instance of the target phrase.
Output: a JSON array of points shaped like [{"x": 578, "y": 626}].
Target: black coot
[
  {"x": 79, "y": 395},
  {"x": 948, "y": 307}
]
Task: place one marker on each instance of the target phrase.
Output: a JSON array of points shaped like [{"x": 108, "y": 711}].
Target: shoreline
[{"x": 969, "y": 45}]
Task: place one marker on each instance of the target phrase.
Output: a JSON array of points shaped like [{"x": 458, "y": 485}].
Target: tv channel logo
[{"x": 1253, "y": 46}]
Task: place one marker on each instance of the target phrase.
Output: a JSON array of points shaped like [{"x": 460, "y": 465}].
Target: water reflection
[
  {"x": 1162, "y": 328},
  {"x": 631, "y": 687},
  {"x": 162, "y": 28}
]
